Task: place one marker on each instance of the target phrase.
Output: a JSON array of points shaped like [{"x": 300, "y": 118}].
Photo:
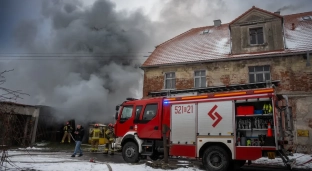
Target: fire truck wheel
[
  {"x": 215, "y": 158},
  {"x": 130, "y": 152}
]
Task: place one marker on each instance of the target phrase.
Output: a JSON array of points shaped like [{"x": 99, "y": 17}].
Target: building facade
[{"x": 257, "y": 47}]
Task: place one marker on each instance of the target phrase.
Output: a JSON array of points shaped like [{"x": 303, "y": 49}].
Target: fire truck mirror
[
  {"x": 117, "y": 107},
  {"x": 116, "y": 116}
]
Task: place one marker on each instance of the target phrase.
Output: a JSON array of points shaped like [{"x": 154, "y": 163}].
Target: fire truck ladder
[
  {"x": 167, "y": 93},
  {"x": 286, "y": 131}
]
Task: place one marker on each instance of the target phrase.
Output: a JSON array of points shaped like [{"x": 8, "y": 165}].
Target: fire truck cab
[{"x": 223, "y": 128}]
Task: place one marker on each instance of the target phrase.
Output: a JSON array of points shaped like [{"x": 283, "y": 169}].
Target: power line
[
  {"x": 64, "y": 53},
  {"x": 69, "y": 59}
]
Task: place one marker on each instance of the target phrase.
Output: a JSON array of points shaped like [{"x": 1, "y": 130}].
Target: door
[
  {"x": 183, "y": 123},
  {"x": 124, "y": 122},
  {"x": 149, "y": 123},
  {"x": 215, "y": 118}
]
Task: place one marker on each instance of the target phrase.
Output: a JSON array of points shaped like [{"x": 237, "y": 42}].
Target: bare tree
[{"x": 6, "y": 95}]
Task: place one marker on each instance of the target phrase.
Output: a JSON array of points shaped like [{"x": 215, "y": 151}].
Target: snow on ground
[
  {"x": 143, "y": 167},
  {"x": 60, "y": 161},
  {"x": 42, "y": 144},
  {"x": 303, "y": 161},
  {"x": 33, "y": 148}
]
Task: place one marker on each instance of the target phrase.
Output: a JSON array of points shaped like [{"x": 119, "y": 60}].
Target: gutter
[{"x": 228, "y": 59}]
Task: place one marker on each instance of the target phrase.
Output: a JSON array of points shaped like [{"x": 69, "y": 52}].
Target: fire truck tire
[
  {"x": 130, "y": 152},
  {"x": 216, "y": 158}
]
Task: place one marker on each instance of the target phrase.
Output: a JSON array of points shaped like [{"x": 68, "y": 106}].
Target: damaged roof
[{"x": 207, "y": 44}]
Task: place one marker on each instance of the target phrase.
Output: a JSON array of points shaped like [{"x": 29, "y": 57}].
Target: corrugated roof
[
  {"x": 195, "y": 46},
  {"x": 17, "y": 104}
]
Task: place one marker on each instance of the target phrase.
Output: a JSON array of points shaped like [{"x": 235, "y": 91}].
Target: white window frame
[
  {"x": 174, "y": 78},
  {"x": 200, "y": 78},
  {"x": 259, "y": 72}
]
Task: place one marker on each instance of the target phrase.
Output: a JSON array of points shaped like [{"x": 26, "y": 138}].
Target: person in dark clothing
[{"x": 79, "y": 133}]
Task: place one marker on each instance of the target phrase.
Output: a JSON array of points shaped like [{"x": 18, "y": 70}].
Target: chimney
[
  {"x": 217, "y": 22},
  {"x": 277, "y": 12},
  {"x": 293, "y": 26}
]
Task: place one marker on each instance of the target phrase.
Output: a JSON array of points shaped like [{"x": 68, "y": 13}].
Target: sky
[{"x": 82, "y": 56}]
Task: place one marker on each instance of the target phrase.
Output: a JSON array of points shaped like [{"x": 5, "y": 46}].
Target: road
[{"x": 117, "y": 158}]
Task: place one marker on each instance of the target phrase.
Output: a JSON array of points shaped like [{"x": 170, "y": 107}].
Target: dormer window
[
  {"x": 256, "y": 36},
  {"x": 306, "y": 18}
]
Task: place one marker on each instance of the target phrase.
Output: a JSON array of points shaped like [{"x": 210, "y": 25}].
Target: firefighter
[
  {"x": 109, "y": 134},
  {"x": 67, "y": 131},
  {"x": 95, "y": 133}
]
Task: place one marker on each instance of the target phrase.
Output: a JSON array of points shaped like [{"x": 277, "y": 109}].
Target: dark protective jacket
[
  {"x": 79, "y": 136},
  {"x": 109, "y": 134},
  {"x": 67, "y": 128}
]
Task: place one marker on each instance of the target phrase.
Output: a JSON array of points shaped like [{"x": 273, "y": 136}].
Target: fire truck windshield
[{"x": 126, "y": 112}]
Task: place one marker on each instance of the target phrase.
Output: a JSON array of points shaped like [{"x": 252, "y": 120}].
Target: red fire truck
[{"x": 223, "y": 128}]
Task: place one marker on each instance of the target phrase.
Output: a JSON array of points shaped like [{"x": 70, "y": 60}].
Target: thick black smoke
[{"x": 82, "y": 59}]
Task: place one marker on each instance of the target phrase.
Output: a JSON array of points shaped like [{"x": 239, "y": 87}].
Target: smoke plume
[{"x": 83, "y": 60}]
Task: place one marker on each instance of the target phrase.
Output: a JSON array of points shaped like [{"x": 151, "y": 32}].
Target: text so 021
[{"x": 184, "y": 109}]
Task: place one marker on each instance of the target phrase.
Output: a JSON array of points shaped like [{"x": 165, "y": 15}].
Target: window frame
[
  {"x": 263, "y": 72},
  {"x": 145, "y": 107},
  {"x": 200, "y": 78},
  {"x": 171, "y": 79},
  {"x": 125, "y": 119},
  {"x": 249, "y": 36},
  {"x": 137, "y": 117}
]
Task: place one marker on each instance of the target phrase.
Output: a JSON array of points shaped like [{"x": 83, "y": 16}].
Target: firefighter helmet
[{"x": 96, "y": 125}]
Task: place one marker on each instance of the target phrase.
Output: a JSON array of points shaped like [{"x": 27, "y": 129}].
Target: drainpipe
[
  {"x": 285, "y": 46},
  {"x": 308, "y": 59},
  {"x": 230, "y": 40}
]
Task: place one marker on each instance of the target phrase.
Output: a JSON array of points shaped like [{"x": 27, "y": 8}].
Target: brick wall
[
  {"x": 295, "y": 77},
  {"x": 292, "y": 71}
]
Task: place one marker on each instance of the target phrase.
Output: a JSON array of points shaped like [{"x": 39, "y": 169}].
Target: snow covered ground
[
  {"x": 303, "y": 161},
  {"x": 61, "y": 161}
]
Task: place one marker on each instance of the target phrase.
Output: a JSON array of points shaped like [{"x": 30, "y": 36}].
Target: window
[
  {"x": 256, "y": 36},
  {"x": 200, "y": 79},
  {"x": 138, "y": 110},
  {"x": 206, "y": 31},
  {"x": 170, "y": 80},
  {"x": 259, "y": 74},
  {"x": 306, "y": 18},
  {"x": 150, "y": 112},
  {"x": 126, "y": 112}
]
